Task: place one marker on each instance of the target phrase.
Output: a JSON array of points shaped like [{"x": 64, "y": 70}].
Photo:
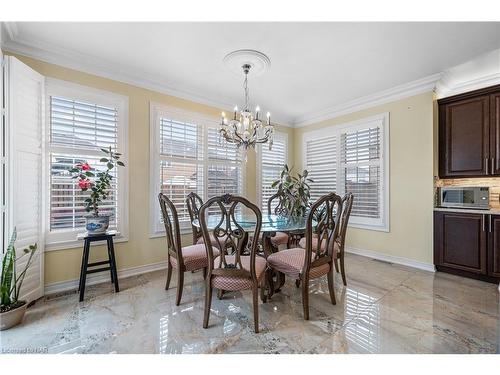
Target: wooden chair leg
[
  {"x": 180, "y": 285},
  {"x": 297, "y": 283},
  {"x": 336, "y": 262},
  {"x": 208, "y": 303},
  {"x": 169, "y": 274},
  {"x": 305, "y": 298},
  {"x": 331, "y": 288},
  {"x": 220, "y": 293},
  {"x": 263, "y": 295},
  {"x": 342, "y": 270},
  {"x": 205, "y": 273},
  {"x": 255, "y": 291}
]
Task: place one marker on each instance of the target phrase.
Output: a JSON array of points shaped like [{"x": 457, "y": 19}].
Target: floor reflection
[{"x": 384, "y": 309}]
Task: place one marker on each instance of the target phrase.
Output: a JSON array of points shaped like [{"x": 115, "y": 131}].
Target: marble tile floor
[{"x": 385, "y": 308}]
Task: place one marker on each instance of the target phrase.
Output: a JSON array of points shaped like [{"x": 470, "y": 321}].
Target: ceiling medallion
[{"x": 246, "y": 128}]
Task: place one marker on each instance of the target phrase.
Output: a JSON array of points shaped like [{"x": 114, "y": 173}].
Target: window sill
[
  {"x": 66, "y": 245},
  {"x": 184, "y": 231}
]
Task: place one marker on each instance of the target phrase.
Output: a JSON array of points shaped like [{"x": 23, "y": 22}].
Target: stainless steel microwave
[{"x": 465, "y": 197}]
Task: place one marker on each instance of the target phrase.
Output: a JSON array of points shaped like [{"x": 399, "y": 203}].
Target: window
[
  {"x": 353, "y": 158},
  {"x": 188, "y": 155},
  {"x": 81, "y": 121},
  {"x": 270, "y": 164}
]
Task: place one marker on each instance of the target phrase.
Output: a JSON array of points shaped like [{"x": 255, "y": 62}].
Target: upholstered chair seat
[
  {"x": 291, "y": 262},
  {"x": 195, "y": 257},
  {"x": 281, "y": 238},
  {"x": 234, "y": 283}
]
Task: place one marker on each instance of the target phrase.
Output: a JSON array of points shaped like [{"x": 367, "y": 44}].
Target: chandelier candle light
[{"x": 246, "y": 128}]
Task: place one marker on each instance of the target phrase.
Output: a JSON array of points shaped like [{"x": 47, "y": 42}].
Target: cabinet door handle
[
  {"x": 486, "y": 161},
  {"x": 493, "y": 165},
  {"x": 489, "y": 223},
  {"x": 484, "y": 218}
]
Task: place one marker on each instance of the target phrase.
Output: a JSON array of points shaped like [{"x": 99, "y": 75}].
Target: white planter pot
[
  {"x": 96, "y": 224},
  {"x": 13, "y": 317}
]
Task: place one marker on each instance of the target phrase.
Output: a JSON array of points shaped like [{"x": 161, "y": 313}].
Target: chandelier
[{"x": 246, "y": 128}]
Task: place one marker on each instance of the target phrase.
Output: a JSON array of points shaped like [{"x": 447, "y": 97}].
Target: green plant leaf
[
  {"x": 110, "y": 165},
  {"x": 104, "y": 160},
  {"x": 120, "y": 163},
  {"x": 105, "y": 151}
]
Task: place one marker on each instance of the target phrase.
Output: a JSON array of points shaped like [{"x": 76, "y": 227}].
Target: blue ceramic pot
[{"x": 97, "y": 224}]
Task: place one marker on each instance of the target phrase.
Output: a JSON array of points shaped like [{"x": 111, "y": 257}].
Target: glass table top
[{"x": 270, "y": 223}]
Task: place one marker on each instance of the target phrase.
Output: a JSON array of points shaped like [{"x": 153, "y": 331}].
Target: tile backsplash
[{"x": 492, "y": 182}]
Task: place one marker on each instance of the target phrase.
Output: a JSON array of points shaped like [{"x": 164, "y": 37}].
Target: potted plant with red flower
[{"x": 99, "y": 185}]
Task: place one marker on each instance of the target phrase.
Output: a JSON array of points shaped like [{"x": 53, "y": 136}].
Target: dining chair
[
  {"x": 280, "y": 238},
  {"x": 339, "y": 246},
  {"x": 312, "y": 262},
  {"x": 188, "y": 258},
  {"x": 237, "y": 271},
  {"x": 194, "y": 203}
]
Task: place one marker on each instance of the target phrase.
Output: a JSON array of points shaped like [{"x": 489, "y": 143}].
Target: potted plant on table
[
  {"x": 11, "y": 308},
  {"x": 296, "y": 191},
  {"x": 98, "y": 184}
]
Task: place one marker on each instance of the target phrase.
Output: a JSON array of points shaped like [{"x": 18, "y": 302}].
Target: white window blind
[
  {"x": 187, "y": 155},
  {"x": 271, "y": 164},
  {"x": 360, "y": 160},
  {"x": 181, "y": 163},
  {"x": 82, "y": 121},
  {"x": 353, "y": 158},
  {"x": 225, "y": 172},
  {"x": 86, "y": 127},
  {"x": 321, "y": 162}
]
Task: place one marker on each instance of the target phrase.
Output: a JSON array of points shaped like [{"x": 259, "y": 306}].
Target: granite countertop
[{"x": 469, "y": 210}]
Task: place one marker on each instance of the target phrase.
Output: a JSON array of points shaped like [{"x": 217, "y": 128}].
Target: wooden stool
[{"x": 108, "y": 236}]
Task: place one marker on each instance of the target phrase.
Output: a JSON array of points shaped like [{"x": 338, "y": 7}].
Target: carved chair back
[
  {"x": 280, "y": 208},
  {"x": 171, "y": 222},
  {"x": 325, "y": 213},
  {"x": 230, "y": 234},
  {"x": 194, "y": 203},
  {"x": 347, "y": 201}
]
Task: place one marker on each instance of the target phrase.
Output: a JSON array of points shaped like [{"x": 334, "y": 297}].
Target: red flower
[
  {"x": 84, "y": 184},
  {"x": 85, "y": 167}
]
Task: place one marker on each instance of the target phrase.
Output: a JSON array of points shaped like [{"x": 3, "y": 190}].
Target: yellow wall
[
  {"x": 411, "y": 178},
  {"x": 62, "y": 265}
]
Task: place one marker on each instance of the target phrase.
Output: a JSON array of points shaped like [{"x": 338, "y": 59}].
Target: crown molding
[
  {"x": 11, "y": 28},
  {"x": 386, "y": 96},
  {"x": 93, "y": 65},
  {"x": 445, "y": 88}
]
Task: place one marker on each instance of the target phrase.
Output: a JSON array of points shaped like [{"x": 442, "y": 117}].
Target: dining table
[{"x": 271, "y": 224}]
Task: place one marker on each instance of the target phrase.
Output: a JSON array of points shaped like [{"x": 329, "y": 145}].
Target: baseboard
[
  {"x": 392, "y": 259},
  {"x": 92, "y": 279}
]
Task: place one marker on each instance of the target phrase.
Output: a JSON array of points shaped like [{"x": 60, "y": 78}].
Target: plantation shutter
[
  {"x": 224, "y": 169},
  {"x": 24, "y": 134},
  {"x": 181, "y": 168},
  {"x": 78, "y": 132},
  {"x": 271, "y": 164},
  {"x": 321, "y": 162},
  {"x": 361, "y": 165}
]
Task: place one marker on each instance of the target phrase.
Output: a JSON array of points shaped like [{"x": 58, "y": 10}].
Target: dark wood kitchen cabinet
[
  {"x": 467, "y": 244},
  {"x": 494, "y": 247},
  {"x": 495, "y": 133},
  {"x": 460, "y": 242},
  {"x": 469, "y": 134}
]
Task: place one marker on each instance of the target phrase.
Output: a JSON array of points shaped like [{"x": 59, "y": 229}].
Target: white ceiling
[{"x": 313, "y": 65}]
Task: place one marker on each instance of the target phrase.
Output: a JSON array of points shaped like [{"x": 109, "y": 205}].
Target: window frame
[
  {"x": 382, "y": 121},
  {"x": 259, "y": 165},
  {"x": 204, "y": 122},
  {"x": 66, "y": 239}
]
